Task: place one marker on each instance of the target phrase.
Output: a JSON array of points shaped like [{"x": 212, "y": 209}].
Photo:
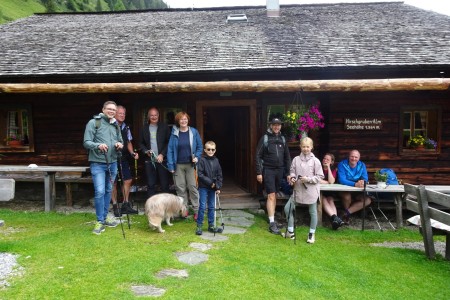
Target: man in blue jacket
[{"x": 353, "y": 172}]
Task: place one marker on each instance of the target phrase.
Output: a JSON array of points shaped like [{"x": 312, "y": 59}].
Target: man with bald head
[{"x": 353, "y": 172}]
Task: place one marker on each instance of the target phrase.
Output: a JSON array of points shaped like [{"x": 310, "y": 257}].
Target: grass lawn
[
  {"x": 15, "y": 9},
  {"x": 62, "y": 259}
]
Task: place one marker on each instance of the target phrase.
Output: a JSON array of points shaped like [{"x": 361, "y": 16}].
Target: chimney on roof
[{"x": 273, "y": 8}]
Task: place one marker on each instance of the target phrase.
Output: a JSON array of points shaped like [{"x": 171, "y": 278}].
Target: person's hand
[
  {"x": 305, "y": 179},
  {"x": 359, "y": 183},
  {"x": 194, "y": 160},
  {"x": 118, "y": 146},
  {"x": 213, "y": 185},
  {"x": 160, "y": 158},
  {"x": 149, "y": 153},
  {"x": 103, "y": 147},
  {"x": 326, "y": 165},
  {"x": 259, "y": 178},
  {"x": 135, "y": 155},
  {"x": 292, "y": 180},
  {"x": 218, "y": 192}
]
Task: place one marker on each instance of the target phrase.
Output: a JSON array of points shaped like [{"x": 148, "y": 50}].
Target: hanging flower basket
[{"x": 299, "y": 123}]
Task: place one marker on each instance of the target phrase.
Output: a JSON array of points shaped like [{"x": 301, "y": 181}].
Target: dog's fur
[{"x": 163, "y": 207}]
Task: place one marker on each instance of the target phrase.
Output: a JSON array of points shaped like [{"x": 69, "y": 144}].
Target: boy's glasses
[{"x": 209, "y": 149}]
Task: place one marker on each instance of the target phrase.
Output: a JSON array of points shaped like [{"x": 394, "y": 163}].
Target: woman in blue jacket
[{"x": 184, "y": 150}]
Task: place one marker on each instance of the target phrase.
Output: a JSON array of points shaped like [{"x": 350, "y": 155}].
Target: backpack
[
  {"x": 391, "y": 177},
  {"x": 266, "y": 140}
]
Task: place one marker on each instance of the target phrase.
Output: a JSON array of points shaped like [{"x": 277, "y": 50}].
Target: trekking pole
[
  {"x": 294, "y": 215},
  {"x": 215, "y": 213},
  {"x": 112, "y": 183},
  {"x": 288, "y": 216},
  {"x": 119, "y": 158},
  {"x": 364, "y": 204},
  {"x": 221, "y": 216}
]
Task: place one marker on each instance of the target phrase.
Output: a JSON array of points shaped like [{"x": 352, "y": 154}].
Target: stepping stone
[
  {"x": 147, "y": 290},
  {"x": 192, "y": 258},
  {"x": 235, "y": 213},
  {"x": 210, "y": 237},
  {"x": 234, "y": 230},
  {"x": 238, "y": 221},
  {"x": 200, "y": 246},
  {"x": 2, "y": 223},
  {"x": 172, "y": 272}
]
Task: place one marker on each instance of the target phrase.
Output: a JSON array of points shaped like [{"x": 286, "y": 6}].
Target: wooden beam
[{"x": 342, "y": 85}]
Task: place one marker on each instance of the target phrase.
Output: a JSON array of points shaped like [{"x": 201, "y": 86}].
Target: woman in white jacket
[{"x": 306, "y": 172}]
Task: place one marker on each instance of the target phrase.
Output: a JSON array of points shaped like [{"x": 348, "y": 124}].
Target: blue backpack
[{"x": 392, "y": 178}]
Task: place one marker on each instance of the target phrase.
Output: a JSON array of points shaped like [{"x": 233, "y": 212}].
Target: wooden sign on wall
[{"x": 363, "y": 124}]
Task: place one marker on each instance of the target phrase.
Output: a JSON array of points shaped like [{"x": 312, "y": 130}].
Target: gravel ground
[{"x": 8, "y": 268}]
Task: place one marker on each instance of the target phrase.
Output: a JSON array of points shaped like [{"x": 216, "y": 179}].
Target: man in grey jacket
[{"x": 103, "y": 140}]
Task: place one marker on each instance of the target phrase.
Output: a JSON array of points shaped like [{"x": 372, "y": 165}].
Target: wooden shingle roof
[{"x": 305, "y": 36}]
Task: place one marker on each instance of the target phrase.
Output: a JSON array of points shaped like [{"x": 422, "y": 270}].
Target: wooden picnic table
[
  {"x": 397, "y": 191},
  {"x": 49, "y": 178}
]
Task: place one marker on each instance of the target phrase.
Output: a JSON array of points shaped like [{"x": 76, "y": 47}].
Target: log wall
[
  {"x": 380, "y": 148},
  {"x": 59, "y": 122}
]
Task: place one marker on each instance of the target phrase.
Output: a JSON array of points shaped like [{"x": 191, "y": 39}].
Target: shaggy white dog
[{"x": 163, "y": 207}]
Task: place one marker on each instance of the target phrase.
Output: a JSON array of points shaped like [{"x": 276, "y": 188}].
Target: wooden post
[{"x": 427, "y": 231}]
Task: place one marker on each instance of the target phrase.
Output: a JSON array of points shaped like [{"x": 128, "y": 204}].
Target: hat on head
[{"x": 276, "y": 121}]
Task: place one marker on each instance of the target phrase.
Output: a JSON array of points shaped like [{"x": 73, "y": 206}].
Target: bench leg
[
  {"x": 69, "y": 201},
  {"x": 49, "y": 190},
  {"x": 398, "y": 210},
  {"x": 319, "y": 210}
]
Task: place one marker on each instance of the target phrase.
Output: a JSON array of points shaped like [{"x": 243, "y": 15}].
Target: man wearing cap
[{"x": 272, "y": 162}]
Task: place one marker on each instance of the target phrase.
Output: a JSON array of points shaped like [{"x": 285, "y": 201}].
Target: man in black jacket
[
  {"x": 272, "y": 162},
  {"x": 153, "y": 143}
]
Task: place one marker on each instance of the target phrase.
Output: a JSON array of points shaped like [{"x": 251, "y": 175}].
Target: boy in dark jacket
[{"x": 209, "y": 184}]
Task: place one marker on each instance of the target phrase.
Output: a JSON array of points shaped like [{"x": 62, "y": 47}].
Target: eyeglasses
[{"x": 209, "y": 149}]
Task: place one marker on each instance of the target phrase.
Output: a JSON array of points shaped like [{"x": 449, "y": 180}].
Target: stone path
[{"x": 235, "y": 222}]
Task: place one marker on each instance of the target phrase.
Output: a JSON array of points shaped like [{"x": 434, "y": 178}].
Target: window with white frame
[{"x": 420, "y": 121}]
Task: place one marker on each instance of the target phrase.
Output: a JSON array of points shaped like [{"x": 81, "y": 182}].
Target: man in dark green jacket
[{"x": 103, "y": 140}]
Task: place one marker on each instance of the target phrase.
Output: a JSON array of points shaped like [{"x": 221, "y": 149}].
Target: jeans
[
  {"x": 184, "y": 179},
  {"x": 153, "y": 174},
  {"x": 103, "y": 179},
  {"x": 207, "y": 197}
]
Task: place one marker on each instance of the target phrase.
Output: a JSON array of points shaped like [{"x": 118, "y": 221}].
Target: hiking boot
[
  {"x": 111, "y": 222},
  {"x": 99, "y": 228},
  {"x": 288, "y": 235},
  {"x": 126, "y": 209},
  {"x": 199, "y": 231},
  {"x": 213, "y": 229},
  {"x": 273, "y": 228},
  {"x": 311, "y": 239},
  {"x": 116, "y": 210},
  {"x": 337, "y": 222}
]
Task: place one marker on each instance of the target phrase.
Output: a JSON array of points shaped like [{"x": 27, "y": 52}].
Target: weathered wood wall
[
  {"x": 380, "y": 148},
  {"x": 59, "y": 122}
]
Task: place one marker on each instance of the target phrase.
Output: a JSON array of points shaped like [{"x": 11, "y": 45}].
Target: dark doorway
[{"x": 229, "y": 128}]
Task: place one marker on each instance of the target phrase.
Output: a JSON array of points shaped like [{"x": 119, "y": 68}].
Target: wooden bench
[
  {"x": 66, "y": 177},
  {"x": 420, "y": 203},
  {"x": 7, "y": 189}
]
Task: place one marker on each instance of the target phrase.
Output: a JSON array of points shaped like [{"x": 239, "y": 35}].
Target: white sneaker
[
  {"x": 311, "y": 239},
  {"x": 288, "y": 235},
  {"x": 111, "y": 222}
]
